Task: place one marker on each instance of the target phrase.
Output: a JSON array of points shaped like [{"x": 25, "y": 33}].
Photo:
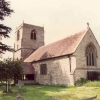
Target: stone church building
[
  {"x": 28, "y": 38},
  {"x": 59, "y": 63}
]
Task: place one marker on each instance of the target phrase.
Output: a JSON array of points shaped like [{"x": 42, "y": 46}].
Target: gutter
[{"x": 51, "y": 58}]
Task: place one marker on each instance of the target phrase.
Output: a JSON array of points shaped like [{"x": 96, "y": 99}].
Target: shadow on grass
[
  {"x": 8, "y": 96},
  {"x": 42, "y": 92},
  {"x": 37, "y": 92}
]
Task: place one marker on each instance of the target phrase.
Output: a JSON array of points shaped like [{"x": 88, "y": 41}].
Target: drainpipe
[
  {"x": 70, "y": 65},
  {"x": 69, "y": 62}
]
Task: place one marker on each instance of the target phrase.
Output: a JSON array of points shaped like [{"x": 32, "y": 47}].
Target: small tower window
[
  {"x": 33, "y": 35},
  {"x": 18, "y": 35}
]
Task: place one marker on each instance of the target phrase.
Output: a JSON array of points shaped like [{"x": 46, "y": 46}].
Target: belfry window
[
  {"x": 33, "y": 35},
  {"x": 91, "y": 55},
  {"x": 18, "y": 35}
]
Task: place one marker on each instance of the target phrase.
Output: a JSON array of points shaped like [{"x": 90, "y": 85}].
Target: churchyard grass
[{"x": 41, "y": 92}]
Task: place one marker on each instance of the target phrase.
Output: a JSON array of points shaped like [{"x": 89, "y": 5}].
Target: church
[{"x": 59, "y": 63}]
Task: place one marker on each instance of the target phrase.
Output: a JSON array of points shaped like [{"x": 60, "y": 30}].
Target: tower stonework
[{"x": 28, "y": 38}]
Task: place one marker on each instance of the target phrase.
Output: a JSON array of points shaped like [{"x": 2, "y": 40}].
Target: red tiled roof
[
  {"x": 28, "y": 68},
  {"x": 62, "y": 47}
]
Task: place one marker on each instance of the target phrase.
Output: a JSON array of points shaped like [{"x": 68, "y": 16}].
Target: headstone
[
  {"x": 19, "y": 97},
  {"x": 52, "y": 98},
  {"x": 20, "y": 84}
]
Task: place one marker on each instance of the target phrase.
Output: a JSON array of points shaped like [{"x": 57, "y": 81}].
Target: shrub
[{"x": 80, "y": 82}]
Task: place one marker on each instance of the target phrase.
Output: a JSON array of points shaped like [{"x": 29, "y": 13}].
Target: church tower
[{"x": 28, "y": 38}]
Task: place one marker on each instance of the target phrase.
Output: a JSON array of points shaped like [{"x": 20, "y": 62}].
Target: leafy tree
[
  {"x": 5, "y": 11},
  {"x": 10, "y": 69}
]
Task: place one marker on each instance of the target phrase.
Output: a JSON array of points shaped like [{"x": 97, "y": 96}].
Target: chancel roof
[{"x": 62, "y": 47}]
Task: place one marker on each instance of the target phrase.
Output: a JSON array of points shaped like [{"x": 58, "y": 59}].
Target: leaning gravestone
[{"x": 20, "y": 84}]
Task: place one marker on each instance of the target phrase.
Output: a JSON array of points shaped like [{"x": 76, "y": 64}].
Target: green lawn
[{"x": 40, "y": 92}]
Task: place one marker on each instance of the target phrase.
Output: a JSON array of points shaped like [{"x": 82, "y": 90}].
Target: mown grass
[
  {"x": 41, "y": 92},
  {"x": 92, "y": 84}
]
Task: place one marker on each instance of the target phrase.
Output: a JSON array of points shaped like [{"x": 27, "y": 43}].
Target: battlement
[{"x": 29, "y": 26}]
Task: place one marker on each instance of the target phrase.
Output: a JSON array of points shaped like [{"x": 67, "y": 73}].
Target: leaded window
[
  {"x": 91, "y": 55},
  {"x": 43, "y": 69}
]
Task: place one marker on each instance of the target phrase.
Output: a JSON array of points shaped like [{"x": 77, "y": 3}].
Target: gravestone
[
  {"x": 52, "y": 98},
  {"x": 20, "y": 84},
  {"x": 19, "y": 98}
]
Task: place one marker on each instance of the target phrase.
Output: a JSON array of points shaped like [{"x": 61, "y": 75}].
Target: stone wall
[
  {"x": 82, "y": 68},
  {"x": 31, "y": 43},
  {"x": 58, "y": 72},
  {"x": 25, "y": 44},
  {"x": 28, "y": 81},
  {"x": 17, "y": 54}
]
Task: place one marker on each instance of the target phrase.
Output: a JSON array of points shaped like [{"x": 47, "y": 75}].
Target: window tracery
[{"x": 91, "y": 55}]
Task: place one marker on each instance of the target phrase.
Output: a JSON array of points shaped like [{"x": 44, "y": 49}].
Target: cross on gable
[{"x": 87, "y": 25}]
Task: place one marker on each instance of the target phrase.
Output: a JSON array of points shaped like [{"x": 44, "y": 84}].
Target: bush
[{"x": 80, "y": 82}]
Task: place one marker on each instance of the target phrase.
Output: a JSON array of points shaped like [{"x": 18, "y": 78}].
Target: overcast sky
[{"x": 60, "y": 18}]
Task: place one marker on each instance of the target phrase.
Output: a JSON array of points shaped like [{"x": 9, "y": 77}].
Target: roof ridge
[
  {"x": 56, "y": 49},
  {"x": 85, "y": 31},
  {"x": 64, "y": 38}
]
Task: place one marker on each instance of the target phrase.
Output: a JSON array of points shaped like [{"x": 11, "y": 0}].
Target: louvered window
[{"x": 33, "y": 35}]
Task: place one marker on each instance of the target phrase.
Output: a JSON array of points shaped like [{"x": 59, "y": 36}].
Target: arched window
[
  {"x": 33, "y": 35},
  {"x": 18, "y": 35},
  {"x": 91, "y": 55}
]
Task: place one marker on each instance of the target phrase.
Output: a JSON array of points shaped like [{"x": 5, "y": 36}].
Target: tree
[
  {"x": 5, "y": 11},
  {"x": 10, "y": 69}
]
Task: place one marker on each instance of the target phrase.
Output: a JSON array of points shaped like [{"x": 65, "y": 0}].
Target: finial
[
  {"x": 87, "y": 25},
  {"x": 23, "y": 21}
]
